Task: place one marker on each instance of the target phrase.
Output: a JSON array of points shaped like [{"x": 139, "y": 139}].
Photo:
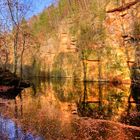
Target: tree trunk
[
  {"x": 21, "y": 63},
  {"x": 6, "y": 61},
  {"x": 21, "y": 59}
]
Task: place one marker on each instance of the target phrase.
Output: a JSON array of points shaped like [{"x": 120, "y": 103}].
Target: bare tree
[
  {"x": 13, "y": 12},
  {"x": 4, "y": 39}
]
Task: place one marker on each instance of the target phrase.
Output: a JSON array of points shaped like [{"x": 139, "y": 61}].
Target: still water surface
[{"x": 66, "y": 110}]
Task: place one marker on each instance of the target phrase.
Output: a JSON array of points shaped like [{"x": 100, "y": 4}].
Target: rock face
[
  {"x": 123, "y": 25},
  {"x": 58, "y": 55}
]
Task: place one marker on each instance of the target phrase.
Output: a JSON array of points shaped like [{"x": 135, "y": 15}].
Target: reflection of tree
[
  {"x": 115, "y": 102},
  {"x": 100, "y": 95},
  {"x": 82, "y": 106},
  {"x": 37, "y": 84},
  {"x": 21, "y": 105},
  {"x": 100, "y": 102},
  {"x": 65, "y": 90},
  {"x": 16, "y": 116},
  {"x": 18, "y": 107},
  {"x": 90, "y": 107}
]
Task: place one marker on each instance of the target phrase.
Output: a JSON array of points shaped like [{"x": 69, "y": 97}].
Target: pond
[{"x": 66, "y": 110}]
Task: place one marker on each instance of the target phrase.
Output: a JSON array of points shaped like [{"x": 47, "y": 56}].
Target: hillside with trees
[
  {"x": 85, "y": 40},
  {"x": 70, "y": 72}
]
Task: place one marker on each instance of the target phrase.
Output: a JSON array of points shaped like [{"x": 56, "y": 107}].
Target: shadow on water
[{"x": 135, "y": 93}]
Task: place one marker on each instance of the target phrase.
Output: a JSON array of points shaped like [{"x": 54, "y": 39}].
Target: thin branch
[{"x": 11, "y": 13}]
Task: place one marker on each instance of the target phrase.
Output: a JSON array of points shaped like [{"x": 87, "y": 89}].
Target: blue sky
[{"x": 38, "y": 6}]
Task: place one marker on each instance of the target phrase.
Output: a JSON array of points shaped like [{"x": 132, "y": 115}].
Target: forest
[{"x": 77, "y": 60}]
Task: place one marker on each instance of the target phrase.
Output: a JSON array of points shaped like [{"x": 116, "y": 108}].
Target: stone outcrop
[
  {"x": 122, "y": 25},
  {"x": 59, "y": 56}
]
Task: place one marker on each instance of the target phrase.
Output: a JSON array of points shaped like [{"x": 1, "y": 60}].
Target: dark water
[{"x": 57, "y": 110}]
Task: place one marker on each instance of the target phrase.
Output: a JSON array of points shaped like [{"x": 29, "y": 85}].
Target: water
[
  {"x": 9, "y": 130},
  {"x": 69, "y": 110}
]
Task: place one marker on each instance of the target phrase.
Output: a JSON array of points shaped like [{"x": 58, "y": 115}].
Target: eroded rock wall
[{"x": 58, "y": 56}]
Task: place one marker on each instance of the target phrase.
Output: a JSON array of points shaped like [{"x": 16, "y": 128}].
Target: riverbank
[{"x": 7, "y": 78}]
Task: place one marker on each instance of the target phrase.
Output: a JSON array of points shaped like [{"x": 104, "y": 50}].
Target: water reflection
[
  {"x": 133, "y": 111},
  {"x": 102, "y": 101},
  {"x": 52, "y": 108},
  {"x": 135, "y": 93},
  {"x": 10, "y": 131},
  {"x": 86, "y": 105}
]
